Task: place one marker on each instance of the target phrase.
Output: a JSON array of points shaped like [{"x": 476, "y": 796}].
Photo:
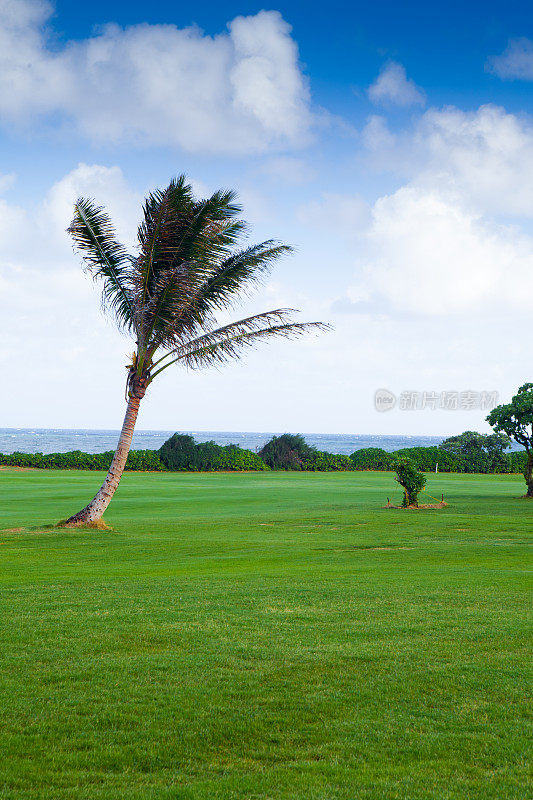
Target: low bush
[
  {"x": 411, "y": 479},
  {"x": 288, "y": 451},
  {"x": 320, "y": 461},
  {"x": 182, "y": 453},
  {"x": 291, "y": 452},
  {"x": 427, "y": 458},
  {"x": 372, "y": 458},
  {"x": 137, "y": 460}
]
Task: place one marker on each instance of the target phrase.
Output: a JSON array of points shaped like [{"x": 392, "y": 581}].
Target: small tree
[
  {"x": 179, "y": 452},
  {"x": 411, "y": 479},
  {"x": 516, "y": 420},
  {"x": 482, "y": 452},
  {"x": 287, "y": 451}
]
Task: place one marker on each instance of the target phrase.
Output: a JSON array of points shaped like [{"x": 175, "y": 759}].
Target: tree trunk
[
  {"x": 97, "y": 506},
  {"x": 528, "y": 474}
]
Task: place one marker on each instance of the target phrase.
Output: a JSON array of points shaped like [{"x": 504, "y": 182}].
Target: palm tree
[{"x": 188, "y": 267}]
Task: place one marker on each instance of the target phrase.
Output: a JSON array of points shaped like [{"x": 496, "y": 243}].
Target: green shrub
[
  {"x": 320, "y": 461},
  {"x": 75, "y": 459},
  {"x": 410, "y": 478},
  {"x": 287, "y": 451},
  {"x": 480, "y": 452},
  {"x": 291, "y": 452},
  {"x": 372, "y": 458},
  {"x": 426, "y": 459},
  {"x": 179, "y": 452},
  {"x": 182, "y": 452},
  {"x": 517, "y": 461}
]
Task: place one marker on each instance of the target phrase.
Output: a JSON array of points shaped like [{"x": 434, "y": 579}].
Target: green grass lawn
[{"x": 264, "y": 636}]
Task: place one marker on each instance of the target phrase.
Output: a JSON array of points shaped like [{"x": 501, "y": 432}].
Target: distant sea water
[{"x": 61, "y": 440}]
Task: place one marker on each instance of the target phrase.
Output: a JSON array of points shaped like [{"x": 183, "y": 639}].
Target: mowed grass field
[{"x": 264, "y": 636}]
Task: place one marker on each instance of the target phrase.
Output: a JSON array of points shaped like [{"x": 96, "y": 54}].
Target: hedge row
[
  {"x": 426, "y": 459},
  {"x": 145, "y": 460},
  {"x": 194, "y": 457},
  {"x": 182, "y": 453},
  {"x": 321, "y": 461}
]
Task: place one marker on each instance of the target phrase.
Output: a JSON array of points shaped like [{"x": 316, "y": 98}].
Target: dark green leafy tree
[
  {"x": 410, "y": 478},
  {"x": 179, "y": 452},
  {"x": 481, "y": 452},
  {"x": 190, "y": 265},
  {"x": 515, "y": 419},
  {"x": 288, "y": 451}
]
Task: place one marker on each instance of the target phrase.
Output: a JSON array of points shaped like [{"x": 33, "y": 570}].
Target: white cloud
[
  {"x": 428, "y": 255},
  {"x": 107, "y": 186},
  {"x": 53, "y": 331},
  {"x": 376, "y": 134},
  {"x": 241, "y": 91},
  {"x": 516, "y": 61},
  {"x": 37, "y": 239},
  {"x": 442, "y": 243},
  {"x": 485, "y": 155},
  {"x": 393, "y": 86}
]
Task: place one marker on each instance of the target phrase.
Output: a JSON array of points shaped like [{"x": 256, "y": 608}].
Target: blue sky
[
  {"x": 392, "y": 144},
  {"x": 343, "y": 45}
]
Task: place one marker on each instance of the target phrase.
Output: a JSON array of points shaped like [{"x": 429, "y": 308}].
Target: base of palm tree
[{"x": 98, "y": 524}]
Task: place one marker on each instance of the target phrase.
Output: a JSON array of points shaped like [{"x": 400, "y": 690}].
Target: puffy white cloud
[
  {"x": 36, "y": 239},
  {"x": 238, "y": 92},
  {"x": 516, "y": 61},
  {"x": 426, "y": 254},
  {"x": 393, "y": 86},
  {"x": 107, "y": 186},
  {"x": 443, "y": 243},
  {"x": 485, "y": 155}
]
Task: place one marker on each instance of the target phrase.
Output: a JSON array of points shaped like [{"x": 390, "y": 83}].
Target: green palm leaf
[
  {"x": 227, "y": 343},
  {"x": 106, "y": 259}
]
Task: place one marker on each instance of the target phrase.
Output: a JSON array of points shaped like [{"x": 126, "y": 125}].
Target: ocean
[{"x": 61, "y": 440}]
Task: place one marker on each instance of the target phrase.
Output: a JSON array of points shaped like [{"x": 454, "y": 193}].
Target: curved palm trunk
[{"x": 97, "y": 506}]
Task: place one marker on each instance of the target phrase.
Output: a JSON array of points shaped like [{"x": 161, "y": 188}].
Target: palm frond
[
  {"x": 191, "y": 304},
  {"x": 239, "y": 271},
  {"x": 105, "y": 258},
  {"x": 247, "y": 325},
  {"x": 180, "y": 234},
  {"x": 221, "y": 350}
]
